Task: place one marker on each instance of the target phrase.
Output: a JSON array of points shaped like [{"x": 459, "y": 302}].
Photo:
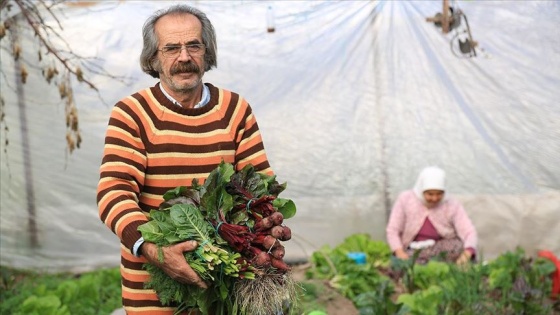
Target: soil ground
[{"x": 334, "y": 302}]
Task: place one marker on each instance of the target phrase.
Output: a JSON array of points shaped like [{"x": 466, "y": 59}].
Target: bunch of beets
[
  {"x": 244, "y": 209},
  {"x": 238, "y": 220},
  {"x": 261, "y": 242}
]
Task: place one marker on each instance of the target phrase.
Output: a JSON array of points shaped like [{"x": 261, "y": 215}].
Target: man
[{"x": 166, "y": 136}]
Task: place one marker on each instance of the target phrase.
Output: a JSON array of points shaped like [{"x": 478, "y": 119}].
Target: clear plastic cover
[{"x": 353, "y": 99}]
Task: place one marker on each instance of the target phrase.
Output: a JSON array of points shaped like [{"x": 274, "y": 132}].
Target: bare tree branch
[
  {"x": 63, "y": 65},
  {"x": 33, "y": 23}
]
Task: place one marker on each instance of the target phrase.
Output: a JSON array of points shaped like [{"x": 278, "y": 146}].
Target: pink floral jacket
[{"x": 409, "y": 213}]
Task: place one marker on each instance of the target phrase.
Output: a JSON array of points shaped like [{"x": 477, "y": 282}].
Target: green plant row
[
  {"x": 97, "y": 292},
  {"x": 510, "y": 284},
  {"x": 33, "y": 293}
]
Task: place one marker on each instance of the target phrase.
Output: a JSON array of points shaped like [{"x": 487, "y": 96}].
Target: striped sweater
[{"x": 152, "y": 146}]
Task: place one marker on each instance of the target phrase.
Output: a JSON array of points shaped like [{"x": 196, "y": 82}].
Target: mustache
[{"x": 184, "y": 67}]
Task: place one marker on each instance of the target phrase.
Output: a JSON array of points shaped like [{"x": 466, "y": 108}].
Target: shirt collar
[{"x": 203, "y": 100}]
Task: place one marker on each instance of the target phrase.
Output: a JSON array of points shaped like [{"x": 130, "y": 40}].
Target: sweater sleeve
[
  {"x": 122, "y": 176},
  {"x": 395, "y": 226},
  {"x": 249, "y": 142},
  {"x": 464, "y": 227}
]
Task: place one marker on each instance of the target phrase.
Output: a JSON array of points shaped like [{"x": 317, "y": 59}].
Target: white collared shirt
[{"x": 203, "y": 100}]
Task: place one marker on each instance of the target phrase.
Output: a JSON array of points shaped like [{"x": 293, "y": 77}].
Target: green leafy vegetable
[{"x": 243, "y": 263}]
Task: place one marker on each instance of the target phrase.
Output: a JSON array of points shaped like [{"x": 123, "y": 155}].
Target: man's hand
[
  {"x": 401, "y": 254},
  {"x": 174, "y": 263},
  {"x": 464, "y": 258}
]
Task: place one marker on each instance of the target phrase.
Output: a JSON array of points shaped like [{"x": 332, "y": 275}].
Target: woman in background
[{"x": 426, "y": 218}]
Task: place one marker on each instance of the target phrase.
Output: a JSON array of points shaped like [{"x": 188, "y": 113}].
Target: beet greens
[{"x": 238, "y": 220}]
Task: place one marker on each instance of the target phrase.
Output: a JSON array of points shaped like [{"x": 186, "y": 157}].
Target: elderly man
[{"x": 165, "y": 136}]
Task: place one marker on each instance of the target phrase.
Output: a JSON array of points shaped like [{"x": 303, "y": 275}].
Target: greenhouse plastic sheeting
[{"x": 353, "y": 98}]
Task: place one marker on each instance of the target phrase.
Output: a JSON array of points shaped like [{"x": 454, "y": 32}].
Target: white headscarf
[{"x": 431, "y": 177}]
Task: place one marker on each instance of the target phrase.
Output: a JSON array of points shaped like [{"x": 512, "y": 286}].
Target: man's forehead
[{"x": 178, "y": 28}]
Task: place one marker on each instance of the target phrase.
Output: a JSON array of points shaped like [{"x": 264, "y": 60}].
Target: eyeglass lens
[{"x": 173, "y": 50}]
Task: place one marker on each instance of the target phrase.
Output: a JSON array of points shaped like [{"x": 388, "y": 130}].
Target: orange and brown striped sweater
[{"x": 152, "y": 146}]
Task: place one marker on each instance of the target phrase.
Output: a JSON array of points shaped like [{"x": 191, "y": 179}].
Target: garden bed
[
  {"x": 330, "y": 282},
  {"x": 510, "y": 284}
]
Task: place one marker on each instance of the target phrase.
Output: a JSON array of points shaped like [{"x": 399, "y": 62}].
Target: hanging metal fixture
[{"x": 453, "y": 19}]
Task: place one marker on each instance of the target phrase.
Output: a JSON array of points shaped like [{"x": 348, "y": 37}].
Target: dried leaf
[
  {"x": 51, "y": 72},
  {"x": 16, "y": 51},
  {"x": 23, "y": 74},
  {"x": 70, "y": 142},
  {"x": 62, "y": 90},
  {"x": 78, "y": 140},
  {"x": 74, "y": 123},
  {"x": 79, "y": 74}
]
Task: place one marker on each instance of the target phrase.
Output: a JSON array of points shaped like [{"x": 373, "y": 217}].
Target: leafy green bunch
[{"x": 221, "y": 216}]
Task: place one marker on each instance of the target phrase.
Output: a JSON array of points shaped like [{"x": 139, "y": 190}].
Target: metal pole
[
  {"x": 26, "y": 150},
  {"x": 445, "y": 17}
]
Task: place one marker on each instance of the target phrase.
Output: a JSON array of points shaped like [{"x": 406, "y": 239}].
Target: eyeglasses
[{"x": 171, "y": 51}]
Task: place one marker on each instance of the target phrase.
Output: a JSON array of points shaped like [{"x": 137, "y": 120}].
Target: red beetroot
[
  {"x": 279, "y": 264},
  {"x": 266, "y": 241},
  {"x": 262, "y": 259},
  {"x": 286, "y": 233},
  {"x": 277, "y": 218},
  {"x": 278, "y": 252},
  {"x": 277, "y": 232},
  {"x": 263, "y": 224}
]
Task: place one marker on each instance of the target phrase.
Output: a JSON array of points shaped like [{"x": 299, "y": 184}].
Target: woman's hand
[
  {"x": 401, "y": 254},
  {"x": 174, "y": 263},
  {"x": 464, "y": 258}
]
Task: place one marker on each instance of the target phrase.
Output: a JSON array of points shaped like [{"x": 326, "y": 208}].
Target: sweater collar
[{"x": 203, "y": 100}]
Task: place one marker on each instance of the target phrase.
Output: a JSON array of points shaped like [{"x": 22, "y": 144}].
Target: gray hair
[{"x": 148, "y": 57}]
